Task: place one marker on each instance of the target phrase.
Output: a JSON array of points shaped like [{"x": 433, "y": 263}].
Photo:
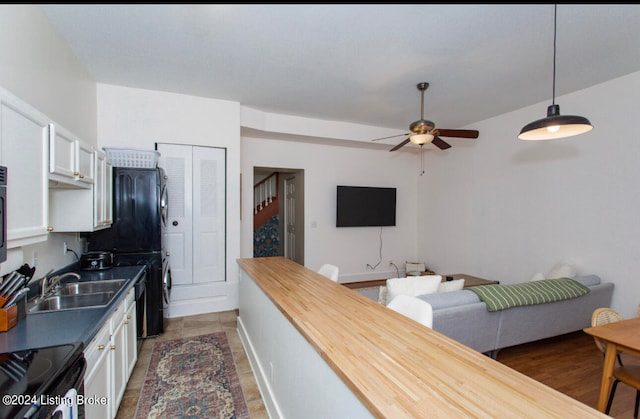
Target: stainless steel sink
[
  {"x": 91, "y": 287},
  {"x": 68, "y": 302}
]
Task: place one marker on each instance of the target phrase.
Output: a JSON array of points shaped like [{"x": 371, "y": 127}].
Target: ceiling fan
[{"x": 424, "y": 131}]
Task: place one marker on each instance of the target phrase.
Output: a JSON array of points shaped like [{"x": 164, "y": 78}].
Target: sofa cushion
[
  {"x": 450, "y": 299},
  {"x": 562, "y": 270},
  {"x": 588, "y": 280},
  {"x": 453, "y": 285},
  {"x": 412, "y": 286}
]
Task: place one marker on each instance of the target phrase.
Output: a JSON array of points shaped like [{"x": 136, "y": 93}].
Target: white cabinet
[
  {"x": 24, "y": 150},
  {"x": 110, "y": 360},
  {"x": 97, "y": 377},
  {"x": 84, "y": 210},
  {"x": 71, "y": 162},
  {"x": 130, "y": 322},
  {"x": 119, "y": 353},
  {"x": 103, "y": 191}
]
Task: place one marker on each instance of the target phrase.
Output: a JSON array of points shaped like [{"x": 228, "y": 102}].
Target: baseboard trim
[{"x": 261, "y": 378}]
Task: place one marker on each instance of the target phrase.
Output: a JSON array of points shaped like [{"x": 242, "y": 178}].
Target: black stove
[{"x": 32, "y": 381}]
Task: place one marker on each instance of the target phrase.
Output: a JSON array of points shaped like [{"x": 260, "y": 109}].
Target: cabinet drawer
[
  {"x": 118, "y": 315},
  {"x": 98, "y": 345},
  {"x": 129, "y": 300}
]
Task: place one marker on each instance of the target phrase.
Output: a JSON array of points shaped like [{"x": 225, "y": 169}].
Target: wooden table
[
  {"x": 469, "y": 281},
  {"x": 622, "y": 336}
]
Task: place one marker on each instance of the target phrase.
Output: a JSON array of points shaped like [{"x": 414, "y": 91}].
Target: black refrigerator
[{"x": 136, "y": 235}]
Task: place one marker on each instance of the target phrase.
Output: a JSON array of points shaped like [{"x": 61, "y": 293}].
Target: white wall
[
  {"x": 505, "y": 209},
  {"x": 129, "y": 117},
  {"x": 37, "y": 66},
  {"x": 325, "y": 167}
]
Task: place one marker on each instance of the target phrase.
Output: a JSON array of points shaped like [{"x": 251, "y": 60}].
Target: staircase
[
  {"x": 266, "y": 224},
  {"x": 265, "y": 199}
]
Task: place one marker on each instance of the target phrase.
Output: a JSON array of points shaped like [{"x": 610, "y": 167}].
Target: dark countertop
[{"x": 42, "y": 329}]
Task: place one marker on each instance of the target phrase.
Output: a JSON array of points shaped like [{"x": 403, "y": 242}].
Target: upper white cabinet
[
  {"x": 71, "y": 162},
  {"x": 103, "y": 191},
  {"x": 24, "y": 150},
  {"x": 84, "y": 210}
]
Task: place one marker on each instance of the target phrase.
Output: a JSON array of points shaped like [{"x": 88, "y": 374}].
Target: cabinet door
[
  {"x": 62, "y": 153},
  {"x": 24, "y": 150},
  {"x": 107, "y": 195},
  {"x": 86, "y": 164},
  {"x": 103, "y": 209},
  {"x": 132, "y": 337},
  {"x": 118, "y": 351},
  {"x": 71, "y": 161},
  {"x": 97, "y": 379}
]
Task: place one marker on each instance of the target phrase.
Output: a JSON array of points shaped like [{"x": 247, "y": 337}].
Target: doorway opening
[{"x": 278, "y": 213}]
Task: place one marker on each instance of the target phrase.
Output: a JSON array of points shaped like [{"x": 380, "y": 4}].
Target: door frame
[{"x": 260, "y": 172}]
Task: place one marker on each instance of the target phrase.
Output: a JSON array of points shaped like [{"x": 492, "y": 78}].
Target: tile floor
[{"x": 200, "y": 324}]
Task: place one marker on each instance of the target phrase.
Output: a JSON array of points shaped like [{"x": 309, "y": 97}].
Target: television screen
[{"x": 365, "y": 206}]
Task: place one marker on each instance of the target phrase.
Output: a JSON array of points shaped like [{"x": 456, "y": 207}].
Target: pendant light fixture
[{"x": 555, "y": 125}]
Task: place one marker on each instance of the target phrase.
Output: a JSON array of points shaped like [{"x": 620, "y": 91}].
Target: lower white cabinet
[
  {"x": 132, "y": 335},
  {"x": 97, "y": 378},
  {"x": 110, "y": 361}
]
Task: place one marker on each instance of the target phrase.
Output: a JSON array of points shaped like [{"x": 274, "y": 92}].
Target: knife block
[{"x": 8, "y": 317}]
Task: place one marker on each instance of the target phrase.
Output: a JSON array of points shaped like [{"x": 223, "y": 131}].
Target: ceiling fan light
[
  {"x": 555, "y": 126},
  {"x": 421, "y": 139}
]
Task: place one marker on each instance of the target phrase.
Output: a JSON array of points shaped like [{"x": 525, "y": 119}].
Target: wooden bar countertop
[{"x": 395, "y": 366}]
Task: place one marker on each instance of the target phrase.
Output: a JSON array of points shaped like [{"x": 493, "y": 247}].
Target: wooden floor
[{"x": 570, "y": 364}]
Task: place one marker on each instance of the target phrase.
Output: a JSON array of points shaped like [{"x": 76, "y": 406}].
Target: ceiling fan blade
[
  {"x": 402, "y": 144},
  {"x": 440, "y": 143},
  {"x": 392, "y": 136},
  {"x": 460, "y": 133}
]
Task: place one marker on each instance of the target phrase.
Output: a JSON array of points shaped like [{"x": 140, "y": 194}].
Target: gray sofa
[{"x": 462, "y": 316}]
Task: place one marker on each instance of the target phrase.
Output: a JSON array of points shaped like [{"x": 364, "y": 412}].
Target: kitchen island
[{"x": 319, "y": 349}]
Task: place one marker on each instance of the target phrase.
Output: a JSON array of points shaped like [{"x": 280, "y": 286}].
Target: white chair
[
  {"x": 330, "y": 271},
  {"x": 414, "y": 308}
]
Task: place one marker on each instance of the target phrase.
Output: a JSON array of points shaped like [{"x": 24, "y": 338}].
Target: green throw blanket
[{"x": 498, "y": 297}]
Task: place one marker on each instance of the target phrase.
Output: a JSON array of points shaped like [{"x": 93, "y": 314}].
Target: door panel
[
  {"x": 177, "y": 163},
  {"x": 209, "y": 219}
]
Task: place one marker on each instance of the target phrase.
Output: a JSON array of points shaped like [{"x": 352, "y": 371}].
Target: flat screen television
[{"x": 365, "y": 206}]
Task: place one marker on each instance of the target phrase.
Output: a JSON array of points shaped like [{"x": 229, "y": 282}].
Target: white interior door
[
  {"x": 177, "y": 163},
  {"x": 196, "y": 227},
  {"x": 209, "y": 214}
]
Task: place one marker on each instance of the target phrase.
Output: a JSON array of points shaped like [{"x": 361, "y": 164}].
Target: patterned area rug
[{"x": 192, "y": 377}]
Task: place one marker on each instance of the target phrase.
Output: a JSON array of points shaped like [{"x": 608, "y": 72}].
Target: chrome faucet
[{"x": 50, "y": 283}]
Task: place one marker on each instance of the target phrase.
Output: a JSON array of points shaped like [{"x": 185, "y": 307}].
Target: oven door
[
  {"x": 37, "y": 383},
  {"x": 3, "y": 214}
]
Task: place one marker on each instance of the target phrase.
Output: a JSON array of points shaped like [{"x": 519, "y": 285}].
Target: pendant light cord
[{"x": 555, "y": 19}]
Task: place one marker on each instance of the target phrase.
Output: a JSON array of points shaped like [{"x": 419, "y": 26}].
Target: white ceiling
[{"x": 357, "y": 63}]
